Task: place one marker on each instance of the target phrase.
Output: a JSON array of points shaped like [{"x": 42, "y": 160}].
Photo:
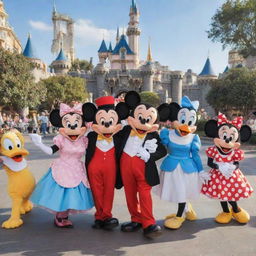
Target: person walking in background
[{"x": 44, "y": 123}]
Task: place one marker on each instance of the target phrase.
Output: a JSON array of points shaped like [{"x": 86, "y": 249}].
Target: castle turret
[
  {"x": 176, "y": 86},
  {"x": 133, "y": 31},
  {"x": 103, "y": 52},
  {"x": 61, "y": 65},
  {"x": 100, "y": 72}
]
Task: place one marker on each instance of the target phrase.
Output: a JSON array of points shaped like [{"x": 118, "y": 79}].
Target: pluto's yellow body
[{"x": 21, "y": 182}]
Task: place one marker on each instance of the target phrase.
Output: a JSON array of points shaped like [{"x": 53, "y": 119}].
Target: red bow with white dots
[{"x": 237, "y": 122}]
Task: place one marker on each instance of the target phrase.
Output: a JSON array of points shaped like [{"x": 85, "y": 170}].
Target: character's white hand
[
  {"x": 226, "y": 169},
  {"x": 36, "y": 138},
  {"x": 143, "y": 154},
  {"x": 204, "y": 177},
  {"x": 151, "y": 145}
]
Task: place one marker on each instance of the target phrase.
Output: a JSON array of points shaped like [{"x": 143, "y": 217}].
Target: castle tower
[
  {"x": 100, "y": 72},
  {"x": 63, "y": 34},
  {"x": 117, "y": 35},
  {"x": 61, "y": 65},
  {"x": 176, "y": 86},
  {"x": 103, "y": 52},
  {"x": 205, "y": 79},
  {"x": 133, "y": 31},
  {"x": 8, "y": 39},
  {"x": 148, "y": 72}
]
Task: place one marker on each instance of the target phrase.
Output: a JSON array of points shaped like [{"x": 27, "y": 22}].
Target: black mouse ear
[
  {"x": 164, "y": 112},
  {"x": 132, "y": 99},
  {"x": 211, "y": 129},
  {"x": 122, "y": 110},
  {"x": 89, "y": 111},
  {"x": 174, "y": 110},
  {"x": 245, "y": 133},
  {"x": 55, "y": 118}
]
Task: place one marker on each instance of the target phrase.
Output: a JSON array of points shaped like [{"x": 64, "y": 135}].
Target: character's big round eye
[
  {"x": 183, "y": 118},
  {"x": 149, "y": 118},
  {"x": 102, "y": 121},
  {"x": 140, "y": 117},
  {"x": 8, "y": 144},
  {"x": 224, "y": 135},
  {"x": 192, "y": 118},
  {"x": 18, "y": 143},
  {"x": 75, "y": 125},
  {"x": 111, "y": 121},
  {"x": 68, "y": 124}
]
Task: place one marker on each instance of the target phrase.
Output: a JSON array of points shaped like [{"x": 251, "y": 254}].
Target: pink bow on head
[
  {"x": 237, "y": 121},
  {"x": 65, "y": 109}
]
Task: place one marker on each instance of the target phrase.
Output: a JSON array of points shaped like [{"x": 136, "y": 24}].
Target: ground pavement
[{"x": 38, "y": 236}]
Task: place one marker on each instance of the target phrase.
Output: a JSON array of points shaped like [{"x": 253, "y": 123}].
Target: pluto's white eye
[{"x": 8, "y": 144}]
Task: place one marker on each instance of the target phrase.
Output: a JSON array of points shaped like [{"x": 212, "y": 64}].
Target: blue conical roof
[
  {"x": 122, "y": 44},
  {"x": 110, "y": 47},
  {"x": 134, "y": 6},
  {"x": 207, "y": 70},
  {"x": 29, "y": 50},
  {"x": 103, "y": 47},
  {"x": 61, "y": 56},
  {"x": 226, "y": 69}
]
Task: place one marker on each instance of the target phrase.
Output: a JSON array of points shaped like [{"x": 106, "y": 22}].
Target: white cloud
[
  {"x": 86, "y": 33},
  {"x": 39, "y": 25}
]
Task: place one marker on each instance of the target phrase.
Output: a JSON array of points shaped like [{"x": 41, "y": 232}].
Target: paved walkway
[{"x": 39, "y": 237}]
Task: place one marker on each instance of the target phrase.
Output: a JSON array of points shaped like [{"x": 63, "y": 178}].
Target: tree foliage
[
  {"x": 234, "y": 93},
  {"x": 81, "y": 65},
  {"x": 17, "y": 86},
  {"x": 64, "y": 89},
  {"x": 234, "y": 24},
  {"x": 150, "y": 98}
]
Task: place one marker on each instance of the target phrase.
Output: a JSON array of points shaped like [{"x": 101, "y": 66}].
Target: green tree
[
  {"x": 64, "y": 89},
  {"x": 17, "y": 86},
  {"x": 81, "y": 65},
  {"x": 234, "y": 93},
  {"x": 234, "y": 25},
  {"x": 150, "y": 98}
]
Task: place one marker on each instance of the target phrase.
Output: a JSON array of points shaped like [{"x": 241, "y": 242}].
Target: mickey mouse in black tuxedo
[
  {"x": 227, "y": 183},
  {"x": 139, "y": 148},
  {"x": 101, "y": 160}
]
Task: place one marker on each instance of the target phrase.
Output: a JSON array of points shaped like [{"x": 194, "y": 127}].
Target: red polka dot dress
[{"x": 227, "y": 189}]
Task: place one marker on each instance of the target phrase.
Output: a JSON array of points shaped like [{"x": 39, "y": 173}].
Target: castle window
[{"x": 122, "y": 53}]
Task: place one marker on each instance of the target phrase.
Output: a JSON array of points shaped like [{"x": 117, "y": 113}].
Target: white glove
[
  {"x": 151, "y": 145},
  {"x": 143, "y": 154},
  {"x": 226, "y": 169},
  {"x": 204, "y": 177},
  {"x": 37, "y": 140}
]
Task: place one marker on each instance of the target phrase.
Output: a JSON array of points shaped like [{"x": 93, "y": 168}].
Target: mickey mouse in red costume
[
  {"x": 140, "y": 147},
  {"x": 101, "y": 161},
  {"x": 227, "y": 182}
]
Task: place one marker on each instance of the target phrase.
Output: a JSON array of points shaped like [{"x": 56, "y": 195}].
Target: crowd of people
[{"x": 28, "y": 124}]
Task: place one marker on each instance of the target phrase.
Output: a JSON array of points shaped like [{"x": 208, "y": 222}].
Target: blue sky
[{"x": 177, "y": 28}]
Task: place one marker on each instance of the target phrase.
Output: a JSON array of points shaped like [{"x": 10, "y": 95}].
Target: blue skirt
[{"x": 55, "y": 198}]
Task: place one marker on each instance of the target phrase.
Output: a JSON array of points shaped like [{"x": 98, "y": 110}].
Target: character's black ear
[
  {"x": 122, "y": 110},
  {"x": 245, "y": 133},
  {"x": 164, "y": 112},
  {"x": 174, "y": 110},
  {"x": 132, "y": 99},
  {"x": 55, "y": 118},
  {"x": 211, "y": 129},
  {"x": 89, "y": 111}
]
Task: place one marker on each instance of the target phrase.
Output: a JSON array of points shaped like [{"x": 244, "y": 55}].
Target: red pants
[
  {"x": 102, "y": 177},
  {"x": 133, "y": 176}
]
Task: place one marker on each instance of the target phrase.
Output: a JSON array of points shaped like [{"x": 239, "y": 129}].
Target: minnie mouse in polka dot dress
[{"x": 227, "y": 182}]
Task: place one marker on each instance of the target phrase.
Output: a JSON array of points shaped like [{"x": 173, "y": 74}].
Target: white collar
[
  {"x": 14, "y": 166},
  {"x": 181, "y": 140}
]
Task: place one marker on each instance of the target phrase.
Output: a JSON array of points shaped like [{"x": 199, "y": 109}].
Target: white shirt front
[
  {"x": 104, "y": 145},
  {"x": 133, "y": 144}
]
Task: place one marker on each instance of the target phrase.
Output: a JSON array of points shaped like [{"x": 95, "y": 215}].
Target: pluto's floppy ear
[
  {"x": 174, "y": 110},
  {"x": 245, "y": 133},
  {"x": 55, "y": 118},
  {"x": 122, "y": 109},
  {"x": 132, "y": 99},
  {"x": 211, "y": 129},
  {"x": 89, "y": 111},
  {"x": 164, "y": 112}
]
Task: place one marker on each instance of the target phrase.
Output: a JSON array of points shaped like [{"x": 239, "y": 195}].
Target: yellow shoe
[
  {"x": 224, "y": 217},
  {"x": 174, "y": 223},
  {"x": 242, "y": 216},
  {"x": 191, "y": 214},
  {"x": 170, "y": 216}
]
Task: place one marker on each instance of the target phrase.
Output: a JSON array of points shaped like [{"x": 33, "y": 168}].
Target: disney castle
[{"x": 119, "y": 68}]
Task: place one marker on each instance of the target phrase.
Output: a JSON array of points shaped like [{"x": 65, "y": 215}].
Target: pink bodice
[{"x": 69, "y": 170}]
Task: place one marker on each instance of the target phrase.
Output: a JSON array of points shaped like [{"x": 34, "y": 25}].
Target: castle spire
[
  {"x": 29, "y": 50},
  {"x": 149, "y": 56},
  {"x": 117, "y": 35},
  {"x": 54, "y": 7}
]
